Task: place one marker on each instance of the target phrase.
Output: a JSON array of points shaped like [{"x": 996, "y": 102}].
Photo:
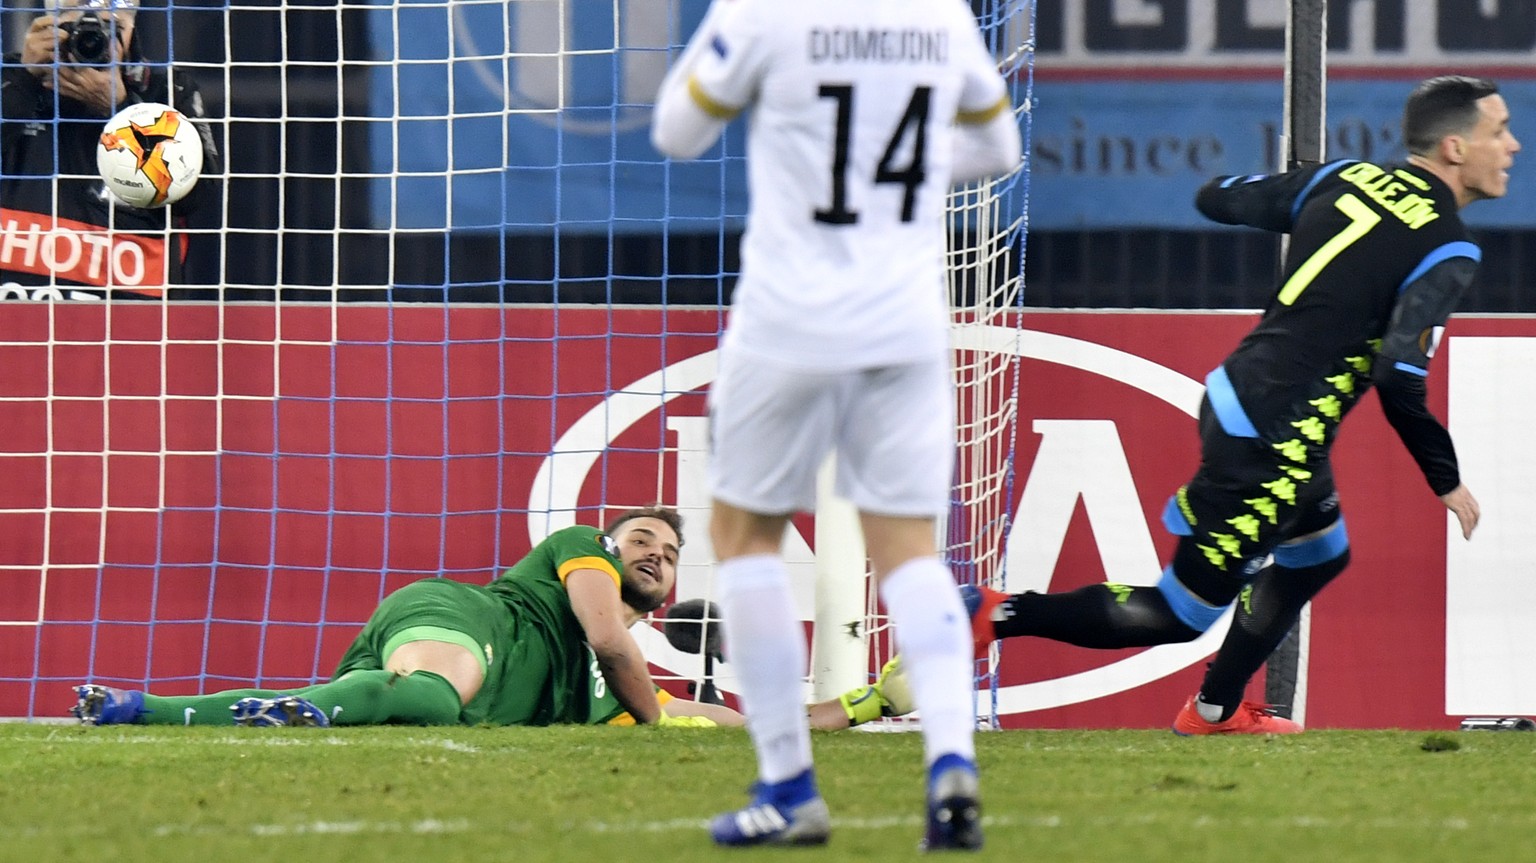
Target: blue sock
[
  {"x": 792, "y": 791},
  {"x": 948, "y": 762}
]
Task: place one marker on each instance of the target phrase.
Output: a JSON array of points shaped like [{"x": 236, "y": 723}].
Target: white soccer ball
[{"x": 149, "y": 155}]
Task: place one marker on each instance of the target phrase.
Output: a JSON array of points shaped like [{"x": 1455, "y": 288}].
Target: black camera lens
[{"x": 88, "y": 41}]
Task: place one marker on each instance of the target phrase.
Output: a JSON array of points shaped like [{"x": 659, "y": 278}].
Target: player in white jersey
[{"x": 863, "y": 114}]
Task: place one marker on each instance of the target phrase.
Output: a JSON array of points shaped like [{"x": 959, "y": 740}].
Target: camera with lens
[{"x": 89, "y": 39}]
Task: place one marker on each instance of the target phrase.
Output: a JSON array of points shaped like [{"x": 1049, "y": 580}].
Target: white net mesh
[{"x": 497, "y": 314}]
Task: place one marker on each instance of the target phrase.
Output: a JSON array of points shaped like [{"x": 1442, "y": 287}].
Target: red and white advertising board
[{"x": 261, "y": 475}]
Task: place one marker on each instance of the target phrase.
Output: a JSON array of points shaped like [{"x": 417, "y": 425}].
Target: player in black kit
[{"x": 1378, "y": 259}]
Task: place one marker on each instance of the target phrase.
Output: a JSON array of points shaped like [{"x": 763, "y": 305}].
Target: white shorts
[{"x": 772, "y": 425}]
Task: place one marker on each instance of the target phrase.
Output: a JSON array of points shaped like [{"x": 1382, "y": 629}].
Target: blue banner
[
  {"x": 1110, "y": 154},
  {"x": 533, "y": 117}
]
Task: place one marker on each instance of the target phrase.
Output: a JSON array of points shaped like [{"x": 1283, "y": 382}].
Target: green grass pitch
[{"x": 643, "y": 794}]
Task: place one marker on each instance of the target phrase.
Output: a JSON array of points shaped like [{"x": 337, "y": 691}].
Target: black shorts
[{"x": 1247, "y": 497}]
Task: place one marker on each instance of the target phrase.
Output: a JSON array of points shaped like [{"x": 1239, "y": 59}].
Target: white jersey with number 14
[{"x": 850, "y": 155}]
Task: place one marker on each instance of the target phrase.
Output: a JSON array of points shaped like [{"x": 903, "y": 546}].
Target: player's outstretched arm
[
  {"x": 887, "y": 696},
  {"x": 596, "y": 604},
  {"x": 718, "y": 714},
  {"x": 1266, "y": 201}
]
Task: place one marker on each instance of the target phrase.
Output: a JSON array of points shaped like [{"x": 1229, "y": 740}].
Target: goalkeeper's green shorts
[{"x": 514, "y": 658}]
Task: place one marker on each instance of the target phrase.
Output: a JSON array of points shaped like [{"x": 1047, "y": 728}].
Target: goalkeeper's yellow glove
[
  {"x": 667, "y": 721},
  {"x": 889, "y": 695}
]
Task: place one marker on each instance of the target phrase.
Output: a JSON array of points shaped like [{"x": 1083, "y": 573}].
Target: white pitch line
[{"x": 909, "y": 821}]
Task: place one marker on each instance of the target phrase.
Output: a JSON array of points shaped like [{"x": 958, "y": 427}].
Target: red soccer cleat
[
  {"x": 1250, "y": 718},
  {"x": 980, "y": 602}
]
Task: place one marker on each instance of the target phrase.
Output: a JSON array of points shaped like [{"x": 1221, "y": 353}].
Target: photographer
[{"x": 62, "y": 236}]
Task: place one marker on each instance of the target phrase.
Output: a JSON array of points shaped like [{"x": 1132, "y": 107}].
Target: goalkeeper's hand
[
  {"x": 889, "y": 695},
  {"x": 667, "y": 721}
]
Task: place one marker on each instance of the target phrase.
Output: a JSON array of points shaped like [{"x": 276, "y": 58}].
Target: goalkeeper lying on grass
[
  {"x": 547, "y": 642},
  {"x": 100, "y": 705}
]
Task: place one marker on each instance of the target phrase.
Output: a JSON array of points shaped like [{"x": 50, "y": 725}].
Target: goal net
[{"x": 448, "y": 300}]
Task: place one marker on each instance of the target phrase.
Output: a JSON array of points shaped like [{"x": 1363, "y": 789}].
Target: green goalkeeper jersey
[
  {"x": 534, "y": 592},
  {"x": 601, "y": 706}
]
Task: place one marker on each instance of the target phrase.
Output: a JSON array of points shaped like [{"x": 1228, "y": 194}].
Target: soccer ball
[{"x": 149, "y": 155}]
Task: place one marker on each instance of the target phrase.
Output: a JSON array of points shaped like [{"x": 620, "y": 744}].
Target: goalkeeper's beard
[{"x": 640, "y": 600}]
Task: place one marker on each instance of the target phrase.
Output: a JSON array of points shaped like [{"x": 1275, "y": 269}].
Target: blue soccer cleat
[
  {"x": 784, "y": 813},
  {"x": 275, "y": 712},
  {"x": 954, "y": 806},
  {"x": 102, "y": 705}
]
